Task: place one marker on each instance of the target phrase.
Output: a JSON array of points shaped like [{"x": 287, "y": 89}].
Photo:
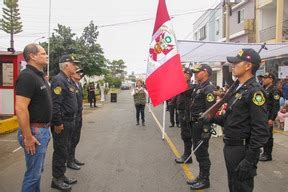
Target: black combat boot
[
  {"x": 202, "y": 183},
  {"x": 267, "y": 154},
  {"x": 60, "y": 184},
  {"x": 183, "y": 158},
  {"x": 73, "y": 165}
]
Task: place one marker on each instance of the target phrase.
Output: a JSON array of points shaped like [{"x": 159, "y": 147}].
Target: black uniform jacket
[
  {"x": 246, "y": 116},
  {"x": 202, "y": 98},
  {"x": 64, "y": 98},
  {"x": 273, "y": 104}
]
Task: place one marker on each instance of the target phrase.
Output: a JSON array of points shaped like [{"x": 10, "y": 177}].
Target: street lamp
[{"x": 38, "y": 39}]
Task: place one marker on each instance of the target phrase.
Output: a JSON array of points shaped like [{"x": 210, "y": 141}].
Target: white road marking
[
  {"x": 16, "y": 149},
  {"x": 5, "y": 140}
]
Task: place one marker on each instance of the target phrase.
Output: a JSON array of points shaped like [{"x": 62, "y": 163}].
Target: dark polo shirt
[{"x": 31, "y": 84}]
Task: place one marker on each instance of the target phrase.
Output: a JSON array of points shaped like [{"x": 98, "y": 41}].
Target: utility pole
[
  {"x": 227, "y": 31},
  {"x": 279, "y": 20}
]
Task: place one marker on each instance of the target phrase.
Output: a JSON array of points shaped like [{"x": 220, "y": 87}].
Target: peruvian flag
[{"x": 165, "y": 77}]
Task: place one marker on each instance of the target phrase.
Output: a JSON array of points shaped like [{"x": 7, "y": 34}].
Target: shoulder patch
[
  {"x": 57, "y": 90},
  {"x": 276, "y": 97},
  {"x": 210, "y": 97},
  {"x": 258, "y": 98}
]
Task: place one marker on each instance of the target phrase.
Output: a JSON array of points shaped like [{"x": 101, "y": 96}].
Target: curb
[{"x": 8, "y": 125}]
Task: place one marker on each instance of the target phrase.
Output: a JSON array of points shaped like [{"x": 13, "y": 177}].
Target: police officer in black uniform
[
  {"x": 78, "y": 123},
  {"x": 202, "y": 99},
  {"x": 245, "y": 122},
  {"x": 183, "y": 101},
  {"x": 173, "y": 112},
  {"x": 65, "y": 108},
  {"x": 273, "y": 106}
]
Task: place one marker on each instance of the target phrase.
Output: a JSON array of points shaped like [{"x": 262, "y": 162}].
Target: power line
[{"x": 147, "y": 19}]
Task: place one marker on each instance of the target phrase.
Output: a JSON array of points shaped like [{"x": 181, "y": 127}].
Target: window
[
  {"x": 203, "y": 33},
  {"x": 195, "y": 36},
  {"x": 217, "y": 26},
  {"x": 241, "y": 16}
]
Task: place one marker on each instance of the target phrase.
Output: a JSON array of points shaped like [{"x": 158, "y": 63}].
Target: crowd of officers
[
  {"x": 67, "y": 97},
  {"x": 39, "y": 107},
  {"x": 248, "y": 121}
]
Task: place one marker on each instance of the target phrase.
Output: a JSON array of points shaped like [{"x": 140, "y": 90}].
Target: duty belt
[
  {"x": 193, "y": 119},
  {"x": 72, "y": 115},
  {"x": 235, "y": 142}
]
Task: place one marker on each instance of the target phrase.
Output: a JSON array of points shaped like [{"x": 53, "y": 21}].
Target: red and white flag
[{"x": 165, "y": 77}]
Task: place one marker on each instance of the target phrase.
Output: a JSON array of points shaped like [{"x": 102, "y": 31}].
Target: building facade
[
  {"x": 208, "y": 27},
  {"x": 272, "y": 26}
]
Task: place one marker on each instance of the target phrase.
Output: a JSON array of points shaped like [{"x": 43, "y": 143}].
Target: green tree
[
  {"x": 90, "y": 52},
  {"x": 117, "y": 68},
  {"x": 11, "y": 21},
  {"x": 62, "y": 41}
]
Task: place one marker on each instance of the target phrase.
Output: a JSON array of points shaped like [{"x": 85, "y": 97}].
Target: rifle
[{"x": 209, "y": 113}]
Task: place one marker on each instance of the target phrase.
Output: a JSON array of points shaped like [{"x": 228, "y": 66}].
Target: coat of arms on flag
[{"x": 165, "y": 77}]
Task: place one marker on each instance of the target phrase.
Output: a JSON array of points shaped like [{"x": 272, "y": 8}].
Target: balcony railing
[{"x": 270, "y": 32}]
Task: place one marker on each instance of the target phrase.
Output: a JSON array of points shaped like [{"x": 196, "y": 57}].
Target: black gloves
[
  {"x": 245, "y": 170},
  {"x": 247, "y": 167}
]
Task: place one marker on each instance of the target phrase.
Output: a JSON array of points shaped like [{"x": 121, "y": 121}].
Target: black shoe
[
  {"x": 171, "y": 125},
  {"x": 69, "y": 180},
  {"x": 143, "y": 123},
  {"x": 202, "y": 183},
  {"x": 265, "y": 158},
  {"x": 78, "y": 162},
  {"x": 72, "y": 165},
  {"x": 60, "y": 184},
  {"x": 182, "y": 159}
]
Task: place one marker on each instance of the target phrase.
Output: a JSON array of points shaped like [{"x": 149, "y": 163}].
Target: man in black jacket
[
  {"x": 273, "y": 107},
  {"x": 245, "y": 122}
]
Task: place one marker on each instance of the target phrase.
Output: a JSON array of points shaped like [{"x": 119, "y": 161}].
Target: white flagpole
[
  {"x": 49, "y": 26},
  {"x": 164, "y": 115}
]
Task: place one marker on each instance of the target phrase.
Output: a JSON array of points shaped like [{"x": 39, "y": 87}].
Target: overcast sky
[{"x": 129, "y": 42}]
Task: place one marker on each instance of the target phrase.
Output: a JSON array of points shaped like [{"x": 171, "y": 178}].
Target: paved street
[{"x": 123, "y": 157}]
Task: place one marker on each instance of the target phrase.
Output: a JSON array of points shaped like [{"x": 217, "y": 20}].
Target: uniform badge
[
  {"x": 238, "y": 96},
  {"x": 258, "y": 98},
  {"x": 72, "y": 89},
  {"x": 276, "y": 97},
  {"x": 57, "y": 90},
  {"x": 210, "y": 97}
]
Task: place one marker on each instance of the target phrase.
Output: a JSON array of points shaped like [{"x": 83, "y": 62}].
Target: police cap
[
  {"x": 202, "y": 67},
  {"x": 249, "y": 55},
  {"x": 68, "y": 58}
]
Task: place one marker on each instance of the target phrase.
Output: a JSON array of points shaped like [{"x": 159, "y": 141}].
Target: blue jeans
[{"x": 35, "y": 163}]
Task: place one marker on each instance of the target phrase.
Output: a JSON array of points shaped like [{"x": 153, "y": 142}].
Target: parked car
[{"x": 124, "y": 87}]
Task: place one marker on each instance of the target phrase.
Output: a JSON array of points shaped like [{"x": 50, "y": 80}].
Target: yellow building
[
  {"x": 272, "y": 26},
  {"x": 272, "y": 20}
]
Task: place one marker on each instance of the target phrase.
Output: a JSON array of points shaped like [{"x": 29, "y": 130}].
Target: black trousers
[
  {"x": 269, "y": 145},
  {"x": 140, "y": 109},
  {"x": 61, "y": 145},
  {"x": 92, "y": 99},
  {"x": 233, "y": 156},
  {"x": 201, "y": 154},
  {"x": 186, "y": 133},
  {"x": 173, "y": 113},
  {"x": 75, "y": 137}
]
